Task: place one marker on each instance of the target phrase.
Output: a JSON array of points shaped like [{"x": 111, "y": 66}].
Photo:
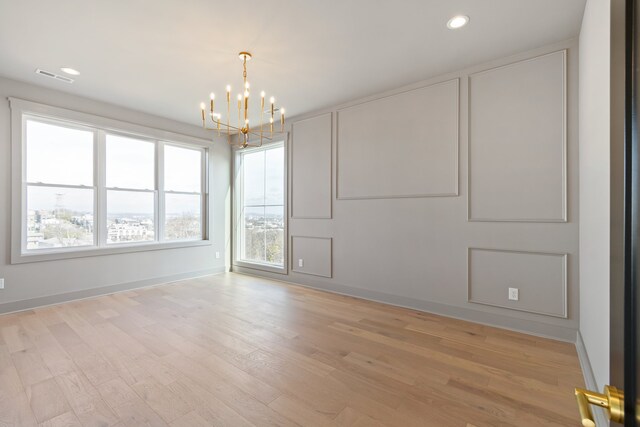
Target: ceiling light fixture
[
  {"x": 458, "y": 21},
  {"x": 242, "y": 128},
  {"x": 71, "y": 71}
]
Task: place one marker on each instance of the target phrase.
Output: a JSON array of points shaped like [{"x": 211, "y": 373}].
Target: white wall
[
  {"x": 39, "y": 282},
  {"x": 594, "y": 163}
]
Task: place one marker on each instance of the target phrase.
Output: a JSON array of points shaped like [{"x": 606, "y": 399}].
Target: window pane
[
  {"x": 274, "y": 173},
  {"x": 130, "y": 163},
  {"x": 130, "y": 216},
  {"x": 59, "y": 217},
  {"x": 274, "y": 218},
  {"x": 253, "y": 174},
  {"x": 254, "y": 235},
  {"x": 182, "y": 217},
  {"x": 59, "y": 155},
  {"x": 182, "y": 169}
]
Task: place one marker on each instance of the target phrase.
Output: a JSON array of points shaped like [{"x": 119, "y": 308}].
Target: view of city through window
[
  {"x": 263, "y": 206},
  {"x": 61, "y": 195},
  {"x": 130, "y": 174},
  {"x": 60, "y": 207},
  {"x": 59, "y": 217}
]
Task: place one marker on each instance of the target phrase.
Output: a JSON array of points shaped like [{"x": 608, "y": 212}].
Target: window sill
[
  {"x": 22, "y": 258},
  {"x": 263, "y": 267}
]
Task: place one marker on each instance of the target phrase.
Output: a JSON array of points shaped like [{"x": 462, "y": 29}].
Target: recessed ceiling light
[
  {"x": 457, "y": 22},
  {"x": 70, "y": 71}
]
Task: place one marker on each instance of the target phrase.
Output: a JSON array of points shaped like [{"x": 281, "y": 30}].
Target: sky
[
  {"x": 261, "y": 188},
  {"x": 61, "y": 155}
]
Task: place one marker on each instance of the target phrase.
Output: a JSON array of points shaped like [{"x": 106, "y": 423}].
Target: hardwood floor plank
[
  {"x": 93, "y": 364},
  {"x": 349, "y": 417},
  {"x": 47, "y": 400},
  {"x": 191, "y": 419},
  {"x": 16, "y": 338},
  {"x": 300, "y": 413},
  {"x": 10, "y": 383},
  {"x": 16, "y": 411},
  {"x": 30, "y": 366},
  {"x": 68, "y": 419},
  {"x": 166, "y": 403},
  {"x": 138, "y": 414},
  {"x": 117, "y": 393},
  {"x": 239, "y": 351},
  {"x": 209, "y": 408}
]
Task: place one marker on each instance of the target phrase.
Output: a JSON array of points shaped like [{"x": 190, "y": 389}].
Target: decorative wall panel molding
[
  {"x": 518, "y": 141},
  {"x": 311, "y": 171},
  {"x": 316, "y": 254},
  {"x": 404, "y": 145},
  {"x": 540, "y": 277}
]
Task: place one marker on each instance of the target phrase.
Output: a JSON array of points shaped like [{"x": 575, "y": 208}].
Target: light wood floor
[{"x": 232, "y": 350}]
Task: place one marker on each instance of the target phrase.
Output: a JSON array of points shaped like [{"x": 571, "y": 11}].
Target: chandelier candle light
[{"x": 242, "y": 129}]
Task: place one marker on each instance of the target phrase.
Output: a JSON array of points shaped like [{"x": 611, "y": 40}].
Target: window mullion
[
  {"x": 241, "y": 249},
  {"x": 264, "y": 203},
  {"x": 204, "y": 196},
  {"x": 160, "y": 214},
  {"x": 100, "y": 174}
]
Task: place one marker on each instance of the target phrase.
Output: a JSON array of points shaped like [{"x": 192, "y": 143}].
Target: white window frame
[
  {"x": 22, "y": 110},
  {"x": 238, "y": 197}
]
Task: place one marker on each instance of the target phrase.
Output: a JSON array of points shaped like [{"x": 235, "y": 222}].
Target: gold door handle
[{"x": 612, "y": 400}]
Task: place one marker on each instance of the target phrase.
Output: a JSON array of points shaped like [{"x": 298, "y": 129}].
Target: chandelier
[{"x": 242, "y": 127}]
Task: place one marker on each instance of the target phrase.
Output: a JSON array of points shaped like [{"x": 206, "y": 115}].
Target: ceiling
[{"x": 164, "y": 57}]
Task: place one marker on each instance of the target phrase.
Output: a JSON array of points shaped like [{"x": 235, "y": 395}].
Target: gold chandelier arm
[{"x": 233, "y": 129}]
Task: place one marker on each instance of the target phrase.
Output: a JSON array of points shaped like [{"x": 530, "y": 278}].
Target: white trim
[
  {"x": 565, "y": 141},
  {"x": 383, "y": 97},
  {"x": 100, "y": 170},
  {"x": 22, "y": 110},
  {"x": 113, "y": 248},
  {"x": 111, "y": 125},
  {"x": 565, "y": 281},
  {"x": 237, "y": 197},
  {"x": 160, "y": 214},
  {"x": 331, "y": 167},
  {"x": 600, "y": 416},
  {"x": 295, "y": 270}
]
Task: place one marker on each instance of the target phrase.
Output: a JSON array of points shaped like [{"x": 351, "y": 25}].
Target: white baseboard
[
  {"x": 13, "y": 306},
  {"x": 590, "y": 380}
]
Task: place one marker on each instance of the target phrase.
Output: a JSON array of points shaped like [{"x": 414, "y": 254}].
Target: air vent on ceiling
[{"x": 54, "y": 76}]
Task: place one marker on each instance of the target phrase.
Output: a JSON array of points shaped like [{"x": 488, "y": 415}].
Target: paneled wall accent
[
  {"x": 404, "y": 145},
  {"x": 512, "y": 124},
  {"x": 541, "y": 279},
  {"x": 310, "y": 152},
  {"x": 517, "y": 141},
  {"x": 316, "y": 254}
]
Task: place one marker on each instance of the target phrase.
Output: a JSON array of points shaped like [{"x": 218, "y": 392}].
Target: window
[
  {"x": 60, "y": 187},
  {"x": 183, "y": 193},
  {"x": 130, "y": 189},
  {"x": 87, "y": 188},
  {"x": 261, "y": 211}
]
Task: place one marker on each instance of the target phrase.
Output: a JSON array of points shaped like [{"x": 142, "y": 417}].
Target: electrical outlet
[
  {"x": 513, "y": 294},
  {"x": 300, "y": 262},
  {"x": 217, "y": 255},
  {"x": 1, "y": 283}
]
